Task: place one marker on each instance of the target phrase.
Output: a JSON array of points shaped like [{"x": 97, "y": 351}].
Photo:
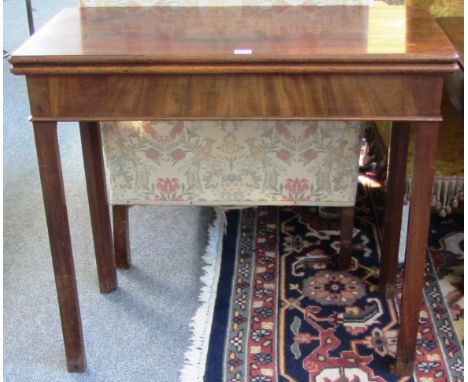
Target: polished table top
[{"x": 294, "y": 34}]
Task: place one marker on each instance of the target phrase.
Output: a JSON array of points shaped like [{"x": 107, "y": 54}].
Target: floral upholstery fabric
[{"x": 232, "y": 162}]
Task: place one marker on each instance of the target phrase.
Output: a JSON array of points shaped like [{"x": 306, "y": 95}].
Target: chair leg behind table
[
  {"x": 121, "y": 236},
  {"x": 420, "y": 210},
  {"x": 50, "y": 171},
  {"x": 396, "y": 183},
  {"x": 346, "y": 241},
  {"x": 98, "y": 207}
]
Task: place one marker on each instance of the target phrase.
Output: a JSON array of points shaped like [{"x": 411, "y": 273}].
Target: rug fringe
[{"x": 200, "y": 324}]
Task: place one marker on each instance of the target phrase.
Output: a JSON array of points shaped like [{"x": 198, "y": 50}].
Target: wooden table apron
[{"x": 398, "y": 93}]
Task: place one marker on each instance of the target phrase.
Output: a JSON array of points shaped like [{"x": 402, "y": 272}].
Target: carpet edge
[{"x": 200, "y": 325}]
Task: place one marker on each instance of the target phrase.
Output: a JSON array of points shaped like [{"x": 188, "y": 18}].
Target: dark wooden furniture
[
  {"x": 322, "y": 63},
  {"x": 454, "y": 83},
  {"x": 454, "y": 29}
]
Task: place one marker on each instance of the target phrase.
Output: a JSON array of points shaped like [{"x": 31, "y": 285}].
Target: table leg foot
[
  {"x": 404, "y": 367},
  {"x": 396, "y": 184},
  {"x": 420, "y": 210},
  {"x": 121, "y": 236},
  {"x": 50, "y": 172},
  {"x": 98, "y": 206},
  {"x": 76, "y": 366}
]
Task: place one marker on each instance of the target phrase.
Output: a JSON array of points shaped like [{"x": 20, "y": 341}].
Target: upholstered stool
[{"x": 234, "y": 163}]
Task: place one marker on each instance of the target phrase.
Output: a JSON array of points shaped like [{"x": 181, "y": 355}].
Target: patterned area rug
[
  {"x": 285, "y": 313},
  {"x": 446, "y": 258}
]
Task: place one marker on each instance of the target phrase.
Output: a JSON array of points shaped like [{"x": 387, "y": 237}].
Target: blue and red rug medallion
[{"x": 285, "y": 313}]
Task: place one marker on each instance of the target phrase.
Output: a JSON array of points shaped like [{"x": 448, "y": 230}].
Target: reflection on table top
[{"x": 300, "y": 34}]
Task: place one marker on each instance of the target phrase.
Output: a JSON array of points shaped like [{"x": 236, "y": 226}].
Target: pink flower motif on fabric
[
  {"x": 168, "y": 188},
  {"x": 153, "y": 154},
  {"x": 296, "y": 189},
  {"x": 284, "y": 155},
  {"x": 309, "y": 155},
  {"x": 177, "y": 155}
]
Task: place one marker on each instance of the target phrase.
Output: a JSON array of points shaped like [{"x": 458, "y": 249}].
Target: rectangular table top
[{"x": 185, "y": 35}]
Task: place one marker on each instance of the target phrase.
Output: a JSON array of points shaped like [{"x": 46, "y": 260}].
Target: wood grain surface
[
  {"x": 346, "y": 238},
  {"x": 239, "y": 96},
  {"x": 299, "y": 34},
  {"x": 418, "y": 232},
  {"x": 121, "y": 232},
  {"x": 50, "y": 171},
  {"x": 396, "y": 188},
  {"x": 98, "y": 206}
]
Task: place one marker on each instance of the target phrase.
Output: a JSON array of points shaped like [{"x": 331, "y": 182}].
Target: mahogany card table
[{"x": 236, "y": 63}]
